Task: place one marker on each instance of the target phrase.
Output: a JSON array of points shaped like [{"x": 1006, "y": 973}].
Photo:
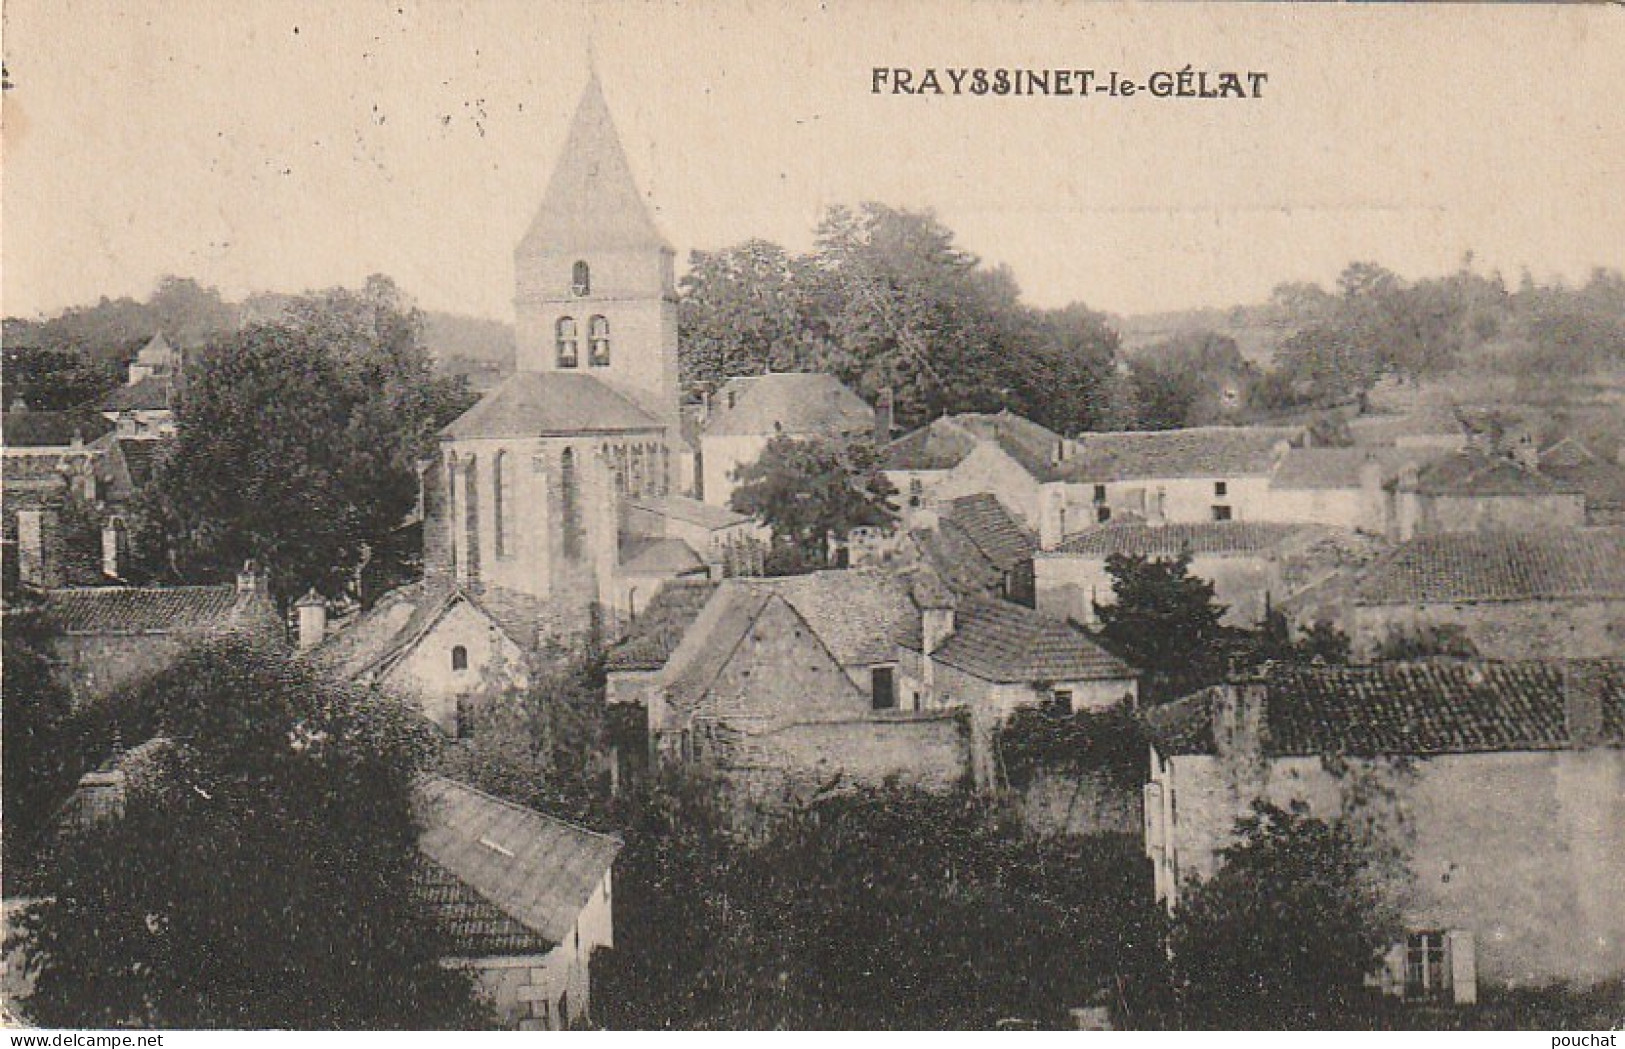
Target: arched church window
[
  {"x": 581, "y": 278},
  {"x": 566, "y": 339},
  {"x": 471, "y": 518},
  {"x": 569, "y": 505},
  {"x": 499, "y": 516},
  {"x": 459, "y": 657},
  {"x": 598, "y": 341}
]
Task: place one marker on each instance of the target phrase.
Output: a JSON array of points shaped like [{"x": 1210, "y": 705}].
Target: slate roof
[
  {"x": 1203, "y": 451},
  {"x": 944, "y": 443},
  {"x": 1474, "y": 473},
  {"x": 541, "y": 404},
  {"x": 1312, "y": 469},
  {"x": 689, "y": 511},
  {"x": 858, "y": 613},
  {"x": 1003, "y": 642},
  {"x": 1571, "y": 464},
  {"x": 537, "y": 871},
  {"x": 33, "y": 429},
  {"x": 799, "y": 404},
  {"x": 1211, "y": 538},
  {"x": 658, "y": 555},
  {"x": 140, "y": 610},
  {"x": 1418, "y": 708},
  {"x": 1562, "y": 564},
  {"x": 153, "y": 393},
  {"x": 592, "y": 201},
  {"x": 656, "y": 632},
  {"x": 994, "y": 530}
]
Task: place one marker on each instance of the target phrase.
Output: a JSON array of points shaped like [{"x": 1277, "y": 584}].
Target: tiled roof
[
  {"x": 657, "y": 630},
  {"x": 141, "y": 610},
  {"x": 856, "y": 612},
  {"x": 31, "y": 429},
  {"x": 1420, "y": 708},
  {"x": 994, "y": 530},
  {"x": 1499, "y": 566},
  {"x": 377, "y": 634},
  {"x": 1003, "y": 642},
  {"x": 592, "y": 202},
  {"x": 957, "y": 561},
  {"x": 800, "y": 404},
  {"x": 1475, "y": 473},
  {"x": 537, "y": 870},
  {"x": 658, "y": 555},
  {"x": 1204, "y": 451},
  {"x": 1309, "y": 469},
  {"x": 1193, "y": 537},
  {"x": 153, "y": 393},
  {"x": 709, "y": 643},
  {"x": 536, "y": 404},
  {"x": 473, "y": 925},
  {"x": 944, "y": 443},
  {"x": 689, "y": 511},
  {"x": 1434, "y": 420}
]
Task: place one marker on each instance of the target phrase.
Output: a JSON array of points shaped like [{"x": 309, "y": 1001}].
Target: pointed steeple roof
[{"x": 591, "y": 200}]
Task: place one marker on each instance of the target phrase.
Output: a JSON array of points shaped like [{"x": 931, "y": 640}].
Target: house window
[
  {"x": 1426, "y": 973},
  {"x": 581, "y": 278},
  {"x": 883, "y": 687},
  {"x": 463, "y": 727},
  {"x": 1060, "y": 701},
  {"x": 1221, "y": 488},
  {"x": 916, "y": 492},
  {"x": 598, "y": 341},
  {"x": 566, "y": 340},
  {"x": 1221, "y": 513},
  {"x": 459, "y": 657},
  {"x": 564, "y": 1011},
  {"x": 1103, "y": 514},
  {"x": 1100, "y": 493}
]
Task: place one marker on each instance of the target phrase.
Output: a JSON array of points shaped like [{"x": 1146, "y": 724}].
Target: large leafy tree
[
  {"x": 260, "y": 872},
  {"x": 812, "y": 493},
  {"x": 1286, "y": 931},
  {"x": 743, "y": 310},
  {"x": 1192, "y": 379},
  {"x": 37, "y": 765},
  {"x": 298, "y": 442},
  {"x": 1165, "y": 621}
]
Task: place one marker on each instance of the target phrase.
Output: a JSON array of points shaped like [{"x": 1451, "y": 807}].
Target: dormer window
[
  {"x": 598, "y": 342},
  {"x": 581, "y": 279},
  {"x": 567, "y": 342}
]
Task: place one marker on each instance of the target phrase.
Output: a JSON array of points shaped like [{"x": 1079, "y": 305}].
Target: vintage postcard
[{"x": 971, "y": 516}]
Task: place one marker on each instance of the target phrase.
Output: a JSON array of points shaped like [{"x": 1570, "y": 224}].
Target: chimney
[
  {"x": 114, "y": 547},
  {"x": 39, "y": 561},
  {"x": 1240, "y": 709},
  {"x": 885, "y": 409},
  {"x": 251, "y": 582},
  {"x": 1582, "y": 702},
  {"x": 312, "y": 612}
]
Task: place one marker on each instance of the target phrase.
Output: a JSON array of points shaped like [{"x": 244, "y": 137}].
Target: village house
[
  {"x": 1499, "y": 783},
  {"x": 107, "y": 637},
  {"x": 1002, "y": 455},
  {"x": 1249, "y": 563},
  {"x": 1340, "y": 487},
  {"x": 786, "y": 686},
  {"x": 50, "y": 456},
  {"x": 1572, "y": 464},
  {"x": 738, "y": 420},
  {"x": 1514, "y": 595},
  {"x": 973, "y": 543},
  {"x": 144, "y": 407},
  {"x": 1473, "y": 490},
  {"x": 525, "y": 900}
]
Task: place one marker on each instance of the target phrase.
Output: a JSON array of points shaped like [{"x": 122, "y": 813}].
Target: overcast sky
[{"x": 279, "y": 145}]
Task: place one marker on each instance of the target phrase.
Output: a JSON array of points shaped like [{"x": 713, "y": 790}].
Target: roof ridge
[{"x": 516, "y": 807}]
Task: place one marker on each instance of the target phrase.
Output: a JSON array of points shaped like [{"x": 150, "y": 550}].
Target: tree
[
  {"x": 1285, "y": 933},
  {"x": 741, "y": 311},
  {"x": 1320, "y": 642},
  {"x": 38, "y": 769},
  {"x": 1192, "y": 379},
  {"x": 1425, "y": 641},
  {"x": 1165, "y": 622},
  {"x": 812, "y": 493},
  {"x": 51, "y": 380},
  {"x": 298, "y": 443},
  {"x": 260, "y": 873}
]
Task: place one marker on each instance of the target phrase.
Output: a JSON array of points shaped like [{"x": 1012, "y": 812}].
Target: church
[{"x": 553, "y": 511}]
